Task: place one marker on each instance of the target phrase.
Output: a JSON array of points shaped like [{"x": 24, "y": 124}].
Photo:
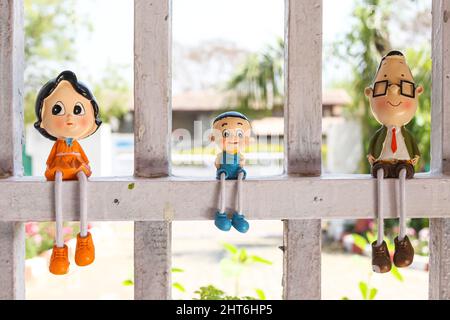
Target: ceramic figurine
[
  {"x": 231, "y": 133},
  {"x": 393, "y": 151},
  {"x": 66, "y": 112}
]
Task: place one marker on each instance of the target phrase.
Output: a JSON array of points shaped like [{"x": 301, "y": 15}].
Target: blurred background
[{"x": 227, "y": 54}]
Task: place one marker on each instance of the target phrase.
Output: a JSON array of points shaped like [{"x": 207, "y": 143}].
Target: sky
[{"x": 250, "y": 24}]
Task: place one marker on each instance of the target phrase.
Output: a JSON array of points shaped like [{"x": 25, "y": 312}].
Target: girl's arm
[
  {"x": 52, "y": 155},
  {"x": 83, "y": 155}
]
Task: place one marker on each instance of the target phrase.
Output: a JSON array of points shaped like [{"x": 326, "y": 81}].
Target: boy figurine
[
  {"x": 231, "y": 132},
  {"x": 393, "y": 152}
]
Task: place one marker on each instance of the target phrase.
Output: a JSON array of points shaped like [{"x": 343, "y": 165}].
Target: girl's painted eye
[
  {"x": 78, "y": 110},
  {"x": 58, "y": 109},
  {"x": 240, "y": 133},
  {"x": 225, "y": 133}
]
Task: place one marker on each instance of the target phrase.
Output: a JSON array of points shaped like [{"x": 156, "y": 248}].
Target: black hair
[
  {"x": 50, "y": 86},
  {"x": 390, "y": 54},
  {"x": 231, "y": 114}
]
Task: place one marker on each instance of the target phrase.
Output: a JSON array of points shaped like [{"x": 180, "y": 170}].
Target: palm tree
[{"x": 257, "y": 85}]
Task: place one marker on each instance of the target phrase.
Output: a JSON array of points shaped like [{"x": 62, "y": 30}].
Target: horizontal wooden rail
[{"x": 171, "y": 198}]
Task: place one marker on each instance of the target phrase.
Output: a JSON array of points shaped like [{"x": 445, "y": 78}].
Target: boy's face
[
  {"x": 231, "y": 134},
  {"x": 395, "y": 103},
  {"x": 67, "y": 114}
]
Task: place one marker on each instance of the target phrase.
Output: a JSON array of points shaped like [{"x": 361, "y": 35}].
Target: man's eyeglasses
[{"x": 407, "y": 88}]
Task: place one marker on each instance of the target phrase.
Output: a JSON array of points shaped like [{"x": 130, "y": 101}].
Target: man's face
[
  {"x": 231, "y": 134},
  {"x": 393, "y": 108}
]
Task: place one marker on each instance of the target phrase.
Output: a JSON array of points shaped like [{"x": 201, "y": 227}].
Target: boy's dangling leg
[
  {"x": 221, "y": 220},
  {"x": 381, "y": 261},
  {"x": 59, "y": 261},
  {"x": 85, "y": 251},
  {"x": 404, "y": 251},
  {"x": 238, "y": 219}
]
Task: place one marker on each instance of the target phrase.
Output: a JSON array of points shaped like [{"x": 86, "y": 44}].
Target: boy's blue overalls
[{"x": 230, "y": 167}]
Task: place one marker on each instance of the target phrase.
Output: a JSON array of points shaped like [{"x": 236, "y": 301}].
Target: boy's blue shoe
[
  {"x": 222, "y": 222},
  {"x": 239, "y": 222}
]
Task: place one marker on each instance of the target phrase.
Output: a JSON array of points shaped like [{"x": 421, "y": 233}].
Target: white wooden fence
[{"x": 153, "y": 199}]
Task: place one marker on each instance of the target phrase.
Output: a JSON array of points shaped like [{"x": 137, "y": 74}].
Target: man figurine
[
  {"x": 231, "y": 133},
  {"x": 393, "y": 152}
]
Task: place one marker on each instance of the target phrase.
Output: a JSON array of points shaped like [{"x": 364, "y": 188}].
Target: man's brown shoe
[
  {"x": 404, "y": 252},
  {"x": 381, "y": 260}
]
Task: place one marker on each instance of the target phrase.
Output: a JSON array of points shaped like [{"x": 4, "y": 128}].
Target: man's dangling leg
[
  {"x": 404, "y": 251},
  {"x": 381, "y": 261}
]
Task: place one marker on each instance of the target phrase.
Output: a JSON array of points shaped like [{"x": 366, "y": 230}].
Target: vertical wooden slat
[
  {"x": 303, "y": 139},
  {"x": 152, "y": 127},
  {"x": 439, "y": 283},
  {"x": 12, "y": 235}
]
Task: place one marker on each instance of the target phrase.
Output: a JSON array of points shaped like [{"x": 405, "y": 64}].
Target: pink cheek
[
  {"x": 83, "y": 122},
  {"x": 407, "y": 104},
  {"x": 60, "y": 123},
  {"x": 380, "y": 103}
]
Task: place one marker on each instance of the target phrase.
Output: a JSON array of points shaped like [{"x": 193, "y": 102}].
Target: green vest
[{"x": 377, "y": 141}]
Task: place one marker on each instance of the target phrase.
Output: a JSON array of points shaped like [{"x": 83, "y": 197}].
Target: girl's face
[{"x": 67, "y": 114}]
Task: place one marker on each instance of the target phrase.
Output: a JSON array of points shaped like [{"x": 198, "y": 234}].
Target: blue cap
[{"x": 230, "y": 114}]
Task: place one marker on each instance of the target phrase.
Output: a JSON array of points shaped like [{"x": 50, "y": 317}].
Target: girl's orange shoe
[
  {"x": 85, "y": 251},
  {"x": 59, "y": 262}
]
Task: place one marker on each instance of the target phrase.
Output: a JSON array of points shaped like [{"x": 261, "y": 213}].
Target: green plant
[
  {"x": 367, "y": 291},
  {"x": 176, "y": 285},
  {"x": 237, "y": 262},
  {"x": 210, "y": 292}
]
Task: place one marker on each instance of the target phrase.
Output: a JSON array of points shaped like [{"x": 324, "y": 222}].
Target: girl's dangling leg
[
  {"x": 59, "y": 261},
  {"x": 238, "y": 219},
  {"x": 221, "y": 220},
  {"x": 381, "y": 261},
  {"x": 404, "y": 251},
  {"x": 85, "y": 251}
]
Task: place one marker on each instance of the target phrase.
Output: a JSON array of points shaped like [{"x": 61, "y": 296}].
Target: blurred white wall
[{"x": 344, "y": 146}]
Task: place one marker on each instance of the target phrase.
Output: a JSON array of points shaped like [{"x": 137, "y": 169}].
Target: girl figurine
[
  {"x": 66, "y": 111},
  {"x": 393, "y": 152},
  {"x": 231, "y": 132}
]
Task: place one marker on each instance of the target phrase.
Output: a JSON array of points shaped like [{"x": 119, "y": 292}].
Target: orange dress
[{"x": 67, "y": 159}]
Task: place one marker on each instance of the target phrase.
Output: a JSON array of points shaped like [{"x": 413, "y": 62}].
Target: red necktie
[{"x": 394, "y": 141}]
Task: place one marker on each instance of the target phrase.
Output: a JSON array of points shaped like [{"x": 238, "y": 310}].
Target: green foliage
[
  {"x": 237, "y": 262},
  {"x": 367, "y": 292},
  {"x": 210, "y": 292},
  {"x": 51, "y": 27},
  {"x": 178, "y": 286},
  {"x": 362, "y": 49},
  {"x": 128, "y": 282},
  {"x": 114, "y": 93},
  {"x": 50, "y": 30},
  {"x": 258, "y": 83}
]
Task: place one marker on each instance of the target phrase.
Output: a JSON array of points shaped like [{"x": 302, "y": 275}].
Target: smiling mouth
[
  {"x": 394, "y": 105},
  {"x": 233, "y": 142},
  {"x": 69, "y": 124}
]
